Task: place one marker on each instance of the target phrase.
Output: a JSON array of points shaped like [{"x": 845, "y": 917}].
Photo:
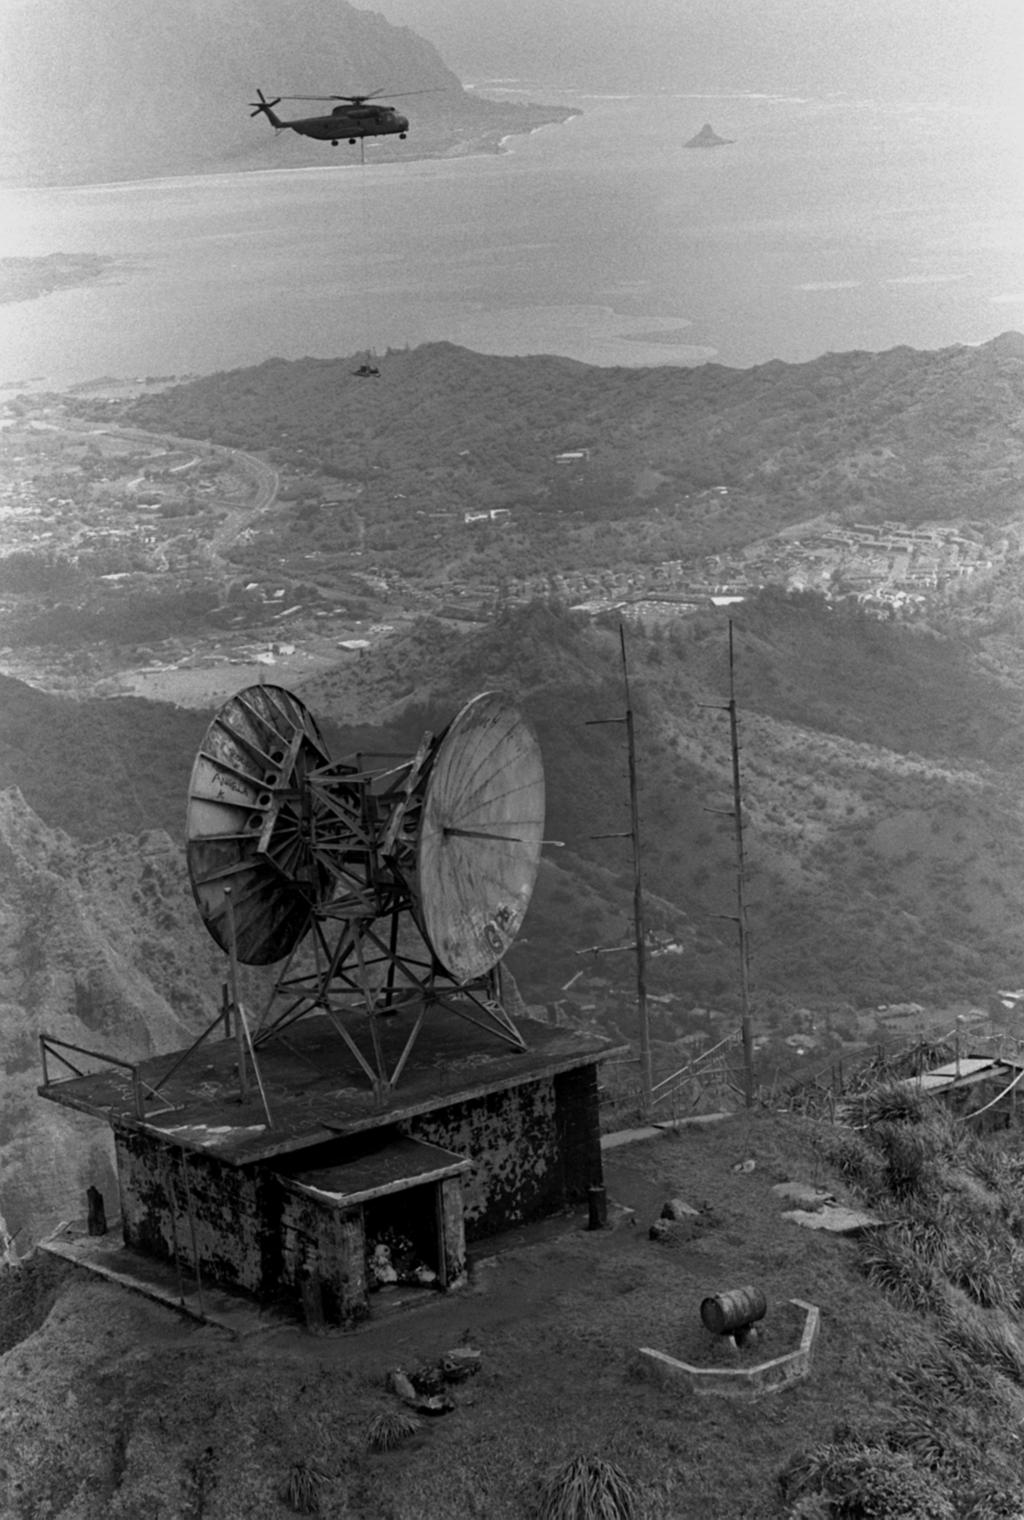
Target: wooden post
[
  {"x": 97, "y": 1212},
  {"x": 597, "y": 1200}
]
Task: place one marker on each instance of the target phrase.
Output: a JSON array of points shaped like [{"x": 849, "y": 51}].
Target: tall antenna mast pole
[
  {"x": 646, "y": 1079},
  {"x": 741, "y": 903}
]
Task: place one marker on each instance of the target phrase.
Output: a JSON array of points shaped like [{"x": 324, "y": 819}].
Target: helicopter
[{"x": 354, "y": 119}]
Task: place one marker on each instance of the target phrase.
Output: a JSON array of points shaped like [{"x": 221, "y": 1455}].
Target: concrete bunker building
[{"x": 392, "y": 1103}]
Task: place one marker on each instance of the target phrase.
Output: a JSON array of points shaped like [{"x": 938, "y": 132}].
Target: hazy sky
[{"x": 899, "y": 47}]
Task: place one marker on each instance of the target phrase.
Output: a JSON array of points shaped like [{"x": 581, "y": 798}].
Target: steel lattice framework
[{"x": 380, "y": 888}]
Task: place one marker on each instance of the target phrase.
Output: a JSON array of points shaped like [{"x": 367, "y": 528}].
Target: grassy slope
[
  {"x": 115, "y": 1409},
  {"x": 117, "y": 1402}
]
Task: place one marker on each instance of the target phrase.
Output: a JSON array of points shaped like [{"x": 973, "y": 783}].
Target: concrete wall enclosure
[{"x": 307, "y": 1221}]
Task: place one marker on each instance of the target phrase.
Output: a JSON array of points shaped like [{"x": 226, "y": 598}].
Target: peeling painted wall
[
  {"x": 534, "y": 1148},
  {"x": 511, "y": 1139},
  {"x": 162, "y": 1186},
  {"x": 246, "y": 1230},
  {"x": 327, "y": 1248}
]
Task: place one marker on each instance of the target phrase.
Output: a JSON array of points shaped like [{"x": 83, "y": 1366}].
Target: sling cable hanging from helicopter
[{"x": 368, "y": 369}]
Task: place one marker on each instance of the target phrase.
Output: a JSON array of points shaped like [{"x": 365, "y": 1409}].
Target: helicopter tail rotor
[{"x": 265, "y": 107}]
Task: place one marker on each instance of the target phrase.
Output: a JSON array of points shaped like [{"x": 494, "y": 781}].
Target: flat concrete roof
[
  {"x": 315, "y": 1088},
  {"x": 391, "y": 1168},
  {"x": 966, "y": 1072}
]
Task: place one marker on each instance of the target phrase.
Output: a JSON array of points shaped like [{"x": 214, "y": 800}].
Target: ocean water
[{"x": 827, "y": 224}]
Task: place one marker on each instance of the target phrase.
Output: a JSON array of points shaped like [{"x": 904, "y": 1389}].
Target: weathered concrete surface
[
  {"x": 742, "y": 1382},
  {"x": 804, "y": 1194},
  {"x": 300, "y": 1224},
  {"x": 535, "y": 1148},
  {"x": 835, "y": 1218}
]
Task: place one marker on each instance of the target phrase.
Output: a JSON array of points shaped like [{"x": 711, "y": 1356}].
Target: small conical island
[{"x": 707, "y": 137}]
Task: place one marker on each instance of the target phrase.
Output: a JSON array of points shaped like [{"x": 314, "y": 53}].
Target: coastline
[
  {"x": 444, "y": 142},
  {"x": 27, "y": 278}
]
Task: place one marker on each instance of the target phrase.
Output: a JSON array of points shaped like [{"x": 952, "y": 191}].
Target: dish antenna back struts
[{"x": 383, "y": 888}]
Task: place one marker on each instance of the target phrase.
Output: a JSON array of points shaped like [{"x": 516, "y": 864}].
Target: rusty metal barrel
[{"x": 724, "y": 1313}]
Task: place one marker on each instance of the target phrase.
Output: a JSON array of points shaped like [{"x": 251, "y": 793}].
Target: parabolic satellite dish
[
  {"x": 480, "y": 835},
  {"x": 286, "y": 846},
  {"x": 245, "y": 827}
]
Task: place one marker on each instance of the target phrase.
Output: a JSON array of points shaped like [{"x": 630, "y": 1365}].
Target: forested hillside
[
  {"x": 902, "y": 434},
  {"x": 885, "y": 836}
]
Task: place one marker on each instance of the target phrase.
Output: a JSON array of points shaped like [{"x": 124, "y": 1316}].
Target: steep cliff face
[
  {"x": 100, "y": 945},
  {"x": 118, "y": 90}
]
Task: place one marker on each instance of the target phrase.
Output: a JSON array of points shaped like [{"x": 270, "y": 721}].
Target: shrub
[
  {"x": 28, "y": 1292},
  {"x": 867, "y": 1481},
  {"x": 588, "y": 1488}
]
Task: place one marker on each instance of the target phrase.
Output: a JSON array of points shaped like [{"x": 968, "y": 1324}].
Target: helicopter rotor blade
[{"x": 358, "y": 100}]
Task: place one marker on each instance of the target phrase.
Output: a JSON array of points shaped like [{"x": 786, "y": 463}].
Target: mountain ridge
[
  {"x": 155, "y": 92},
  {"x": 904, "y": 432}
]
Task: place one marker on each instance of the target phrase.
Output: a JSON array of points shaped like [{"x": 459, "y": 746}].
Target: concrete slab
[
  {"x": 315, "y": 1087},
  {"x": 803, "y": 1193},
  {"x": 741, "y": 1382},
  {"x": 620, "y": 1137},
  {"x": 836, "y": 1219},
  {"x": 108, "y": 1257}
]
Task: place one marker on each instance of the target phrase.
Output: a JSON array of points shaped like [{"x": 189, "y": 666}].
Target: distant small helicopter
[{"x": 354, "y": 119}]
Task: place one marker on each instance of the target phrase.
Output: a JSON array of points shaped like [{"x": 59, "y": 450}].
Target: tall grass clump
[
  {"x": 950, "y": 1248},
  {"x": 588, "y": 1488},
  {"x": 986, "y": 1336},
  {"x": 849, "y": 1153},
  {"x": 891, "y": 1103},
  {"x": 908, "y": 1158},
  {"x": 389, "y": 1428},
  {"x": 904, "y": 1266},
  {"x": 304, "y": 1490}
]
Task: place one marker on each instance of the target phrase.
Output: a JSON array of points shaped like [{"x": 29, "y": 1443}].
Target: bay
[{"x": 827, "y": 223}]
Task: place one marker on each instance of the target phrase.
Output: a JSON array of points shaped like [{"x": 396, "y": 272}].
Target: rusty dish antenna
[{"x": 380, "y": 883}]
